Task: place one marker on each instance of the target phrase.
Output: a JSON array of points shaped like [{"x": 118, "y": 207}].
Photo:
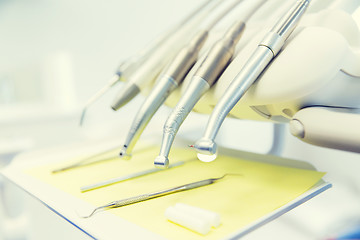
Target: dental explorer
[
  {"x": 218, "y": 57},
  {"x": 150, "y": 69},
  {"x": 169, "y": 80},
  {"x": 148, "y": 196},
  {"x": 266, "y": 50},
  {"x": 88, "y": 160},
  {"x": 130, "y": 65}
]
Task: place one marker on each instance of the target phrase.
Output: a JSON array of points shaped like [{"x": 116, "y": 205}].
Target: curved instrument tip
[{"x": 82, "y": 116}]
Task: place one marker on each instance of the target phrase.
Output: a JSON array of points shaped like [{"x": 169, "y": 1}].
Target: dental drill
[
  {"x": 149, "y": 69},
  {"x": 209, "y": 71},
  {"x": 169, "y": 80},
  {"x": 128, "y": 67},
  {"x": 266, "y": 50}
]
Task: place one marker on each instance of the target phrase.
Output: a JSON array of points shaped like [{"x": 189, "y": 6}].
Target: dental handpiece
[
  {"x": 169, "y": 80},
  {"x": 124, "y": 70},
  {"x": 266, "y": 50},
  {"x": 209, "y": 70},
  {"x": 132, "y": 64},
  {"x": 165, "y": 51},
  {"x": 128, "y": 67}
]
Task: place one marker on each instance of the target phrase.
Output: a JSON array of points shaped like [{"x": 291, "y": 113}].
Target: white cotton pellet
[
  {"x": 188, "y": 221},
  {"x": 200, "y": 213}
]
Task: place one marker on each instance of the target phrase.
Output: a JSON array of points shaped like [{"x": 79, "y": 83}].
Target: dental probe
[
  {"x": 209, "y": 71},
  {"x": 85, "y": 161},
  {"x": 126, "y": 177},
  {"x": 148, "y": 196},
  {"x": 267, "y": 49},
  {"x": 92, "y": 159},
  {"x": 149, "y": 70},
  {"x": 169, "y": 80},
  {"x": 127, "y": 68}
]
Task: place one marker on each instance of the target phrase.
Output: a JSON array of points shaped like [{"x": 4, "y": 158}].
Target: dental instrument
[
  {"x": 86, "y": 161},
  {"x": 209, "y": 71},
  {"x": 132, "y": 64},
  {"x": 124, "y": 70},
  {"x": 81, "y": 163},
  {"x": 127, "y": 177},
  {"x": 267, "y": 50},
  {"x": 169, "y": 80},
  {"x": 153, "y": 65},
  {"x": 148, "y": 196}
]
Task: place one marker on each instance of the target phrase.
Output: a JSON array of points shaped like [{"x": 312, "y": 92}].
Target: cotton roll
[
  {"x": 186, "y": 220},
  {"x": 200, "y": 213}
]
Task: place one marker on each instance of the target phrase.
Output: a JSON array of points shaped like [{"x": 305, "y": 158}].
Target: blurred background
[{"x": 55, "y": 54}]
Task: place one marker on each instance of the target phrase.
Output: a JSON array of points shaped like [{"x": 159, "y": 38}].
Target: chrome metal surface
[{"x": 259, "y": 60}]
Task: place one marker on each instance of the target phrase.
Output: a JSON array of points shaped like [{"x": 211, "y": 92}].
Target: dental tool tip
[
  {"x": 191, "y": 146},
  {"x": 98, "y": 209},
  {"x": 125, "y": 95},
  {"x": 124, "y": 155},
  {"x": 82, "y": 116},
  {"x": 161, "y": 162},
  {"x": 113, "y": 80},
  {"x": 206, "y": 146},
  {"x": 95, "y": 210},
  {"x": 62, "y": 169},
  {"x": 87, "y": 216}
]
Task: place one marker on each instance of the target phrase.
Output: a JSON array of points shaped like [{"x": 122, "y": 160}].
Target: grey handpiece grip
[
  {"x": 186, "y": 58},
  {"x": 327, "y": 128},
  {"x": 220, "y": 54}
]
